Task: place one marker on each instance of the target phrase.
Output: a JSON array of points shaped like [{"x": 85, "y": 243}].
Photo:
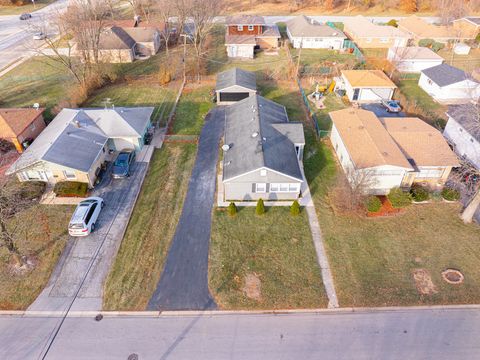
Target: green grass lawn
[
  {"x": 276, "y": 248},
  {"x": 139, "y": 262},
  {"x": 37, "y": 80},
  {"x": 43, "y": 243},
  {"x": 17, "y": 10},
  {"x": 194, "y": 104},
  {"x": 138, "y": 94},
  {"x": 319, "y": 57},
  {"x": 285, "y": 93},
  {"x": 332, "y": 103}
]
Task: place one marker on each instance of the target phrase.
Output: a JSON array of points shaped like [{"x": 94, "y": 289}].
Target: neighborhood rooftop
[
  {"x": 245, "y": 20},
  {"x": 236, "y": 77},
  {"x": 475, "y": 20},
  {"x": 14, "y": 121},
  {"x": 260, "y": 135},
  {"x": 468, "y": 116},
  {"x": 415, "y": 53},
  {"x": 302, "y": 26},
  {"x": 423, "y": 29},
  {"x": 445, "y": 74},
  {"x": 362, "y": 27},
  {"x": 368, "y": 78}
]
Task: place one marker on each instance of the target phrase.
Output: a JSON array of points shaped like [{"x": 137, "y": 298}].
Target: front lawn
[
  {"x": 71, "y": 189},
  {"x": 139, "y": 262},
  {"x": 264, "y": 262}
]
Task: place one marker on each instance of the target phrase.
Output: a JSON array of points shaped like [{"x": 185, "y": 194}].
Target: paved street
[
  {"x": 402, "y": 334},
  {"x": 85, "y": 263},
  {"x": 184, "y": 281}
]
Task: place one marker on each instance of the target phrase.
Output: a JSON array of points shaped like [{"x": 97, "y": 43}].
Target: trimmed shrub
[
  {"x": 419, "y": 193},
  {"x": 393, "y": 23},
  {"x": 232, "y": 209},
  {"x": 260, "y": 209},
  {"x": 399, "y": 198},
  {"x": 31, "y": 190},
  {"x": 373, "y": 204},
  {"x": 426, "y": 42},
  {"x": 477, "y": 39},
  {"x": 450, "y": 194},
  {"x": 437, "y": 46},
  {"x": 295, "y": 208},
  {"x": 71, "y": 189}
]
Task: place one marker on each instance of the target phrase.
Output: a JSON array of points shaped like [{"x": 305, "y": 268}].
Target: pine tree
[
  {"x": 260, "y": 209},
  {"x": 295, "y": 208},
  {"x": 232, "y": 209}
]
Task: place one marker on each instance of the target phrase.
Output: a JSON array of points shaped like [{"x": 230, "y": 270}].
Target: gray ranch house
[
  {"x": 234, "y": 85},
  {"x": 262, "y": 153}
]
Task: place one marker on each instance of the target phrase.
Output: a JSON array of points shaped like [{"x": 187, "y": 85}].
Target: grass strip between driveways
[
  {"x": 139, "y": 262},
  {"x": 270, "y": 258}
]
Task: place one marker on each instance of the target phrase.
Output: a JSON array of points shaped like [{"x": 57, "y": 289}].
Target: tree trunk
[
  {"x": 10, "y": 245},
  {"x": 469, "y": 211}
]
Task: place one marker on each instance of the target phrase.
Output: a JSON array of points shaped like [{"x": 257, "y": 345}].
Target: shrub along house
[
  {"x": 307, "y": 33},
  {"x": 245, "y": 33},
  {"x": 389, "y": 152},
  {"x": 77, "y": 142},
  {"x": 262, "y": 152},
  {"x": 18, "y": 125},
  {"x": 367, "y": 86},
  {"x": 234, "y": 85}
]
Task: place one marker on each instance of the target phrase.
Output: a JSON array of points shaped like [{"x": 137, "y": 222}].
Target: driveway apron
[{"x": 184, "y": 281}]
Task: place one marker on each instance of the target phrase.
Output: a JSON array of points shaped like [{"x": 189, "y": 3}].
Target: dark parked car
[
  {"x": 25, "y": 16},
  {"x": 391, "y": 106},
  {"x": 123, "y": 164}
]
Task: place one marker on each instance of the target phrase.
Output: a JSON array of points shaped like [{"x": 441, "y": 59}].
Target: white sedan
[{"x": 85, "y": 216}]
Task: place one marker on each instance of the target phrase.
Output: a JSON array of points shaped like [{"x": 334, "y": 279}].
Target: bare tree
[
  {"x": 142, "y": 7},
  {"x": 165, "y": 10},
  {"x": 353, "y": 189}
]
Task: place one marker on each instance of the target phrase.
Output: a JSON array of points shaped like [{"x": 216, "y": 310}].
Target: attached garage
[{"x": 235, "y": 85}]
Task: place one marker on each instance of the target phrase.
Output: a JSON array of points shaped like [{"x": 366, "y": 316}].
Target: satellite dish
[
  {"x": 225, "y": 147},
  {"x": 36, "y": 106}
]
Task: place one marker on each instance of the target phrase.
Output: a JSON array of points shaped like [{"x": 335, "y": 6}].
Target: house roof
[
  {"x": 472, "y": 19},
  {"x": 444, "y": 75},
  {"x": 302, "y": 26},
  {"x": 240, "y": 40},
  {"x": 13, "y": 121},
  {"x": 468, "y": 116},
  {"x": 236, "y": 77},
  {"x": 118, "y": 37},
  {"x": 368, "y": 79},
  {"x": 76, "y": 136},
  {"x": 364, "y": 28},
  {"x": 366, "y": 140},
  {"x": 421, "y": 143},
  {"x": 245, "y": 20},
  {"x": 141, "y": 33},
  {"x": 423, "y": 29},
  {"x": 260, "y": 135},
  {"x": 414, "y": 53},
  {"x": 269, "y": 31}
]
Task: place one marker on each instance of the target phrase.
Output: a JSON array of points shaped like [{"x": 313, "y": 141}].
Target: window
[
  {"x": 90, "y": 213},
  {"x": 429, "y": 173},
  {"x": 388, "y": 172},
  {"x": 240, "y": 27},
  {"x": 261, "y": 188},
  {"x": 284, "y": 187},
  {"x": 369, "y": 40},
  {"x": 31, "y": 175},
  {"x": 69, "y": 174},
  {"x": 384, "y": 40},
  {"x": 263, "y": 172},
  {"x": 250, "y": 27}
]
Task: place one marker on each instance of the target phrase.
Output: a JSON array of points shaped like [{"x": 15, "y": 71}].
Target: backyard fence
[
  {"x": 311, "y": 113},
  {"x": 349, "y": 44}
]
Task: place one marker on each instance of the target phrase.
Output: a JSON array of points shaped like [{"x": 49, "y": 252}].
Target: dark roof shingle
[
  {"x": 236, "y": 77},
  {"x": 444, "y": 74}
]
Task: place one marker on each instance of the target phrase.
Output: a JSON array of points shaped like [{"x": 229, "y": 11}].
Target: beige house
[
  {"x": 469, "y": 27},
  {"x": 366, "y": 34},
  {"x": 389, "y": 152},
  {"x": 77, "y": 142}
]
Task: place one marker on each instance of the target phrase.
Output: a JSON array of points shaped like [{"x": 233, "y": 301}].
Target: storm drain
[
  {"x": 452, "y": 276},
  {"x": 99, "y": 317}
]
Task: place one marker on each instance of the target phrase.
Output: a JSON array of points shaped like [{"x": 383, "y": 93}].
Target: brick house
[
  {"x": 19, "y": 125},
  {"x": 246, "y": 33}
]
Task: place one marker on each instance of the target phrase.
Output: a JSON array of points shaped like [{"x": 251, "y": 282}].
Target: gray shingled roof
[
  {"x": 236, "y": 77},
  {"x": 468, "y": 116},
  {"x": 76, "y": 136},
  {"x": 445, "y": 74},
  {"x": 260, "y": 135},
  {"x": 302, "y": 26},
  {"x": 245, "y": 20}
]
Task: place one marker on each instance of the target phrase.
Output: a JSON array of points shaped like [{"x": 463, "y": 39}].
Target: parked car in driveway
[
  {"x": 25, "y": 16},
  {"x": 85, "y": 216},
  {"x": 123, "y": 164},
  {"x": 39, "y": 36},
  {"x": 391, "y": 106}
]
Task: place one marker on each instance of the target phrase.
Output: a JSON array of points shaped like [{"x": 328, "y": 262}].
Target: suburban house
[
  {"x": 307, "y": 33},
  {"x": 420, "y": 29},
  {"x": 234, "y": 85},
  {"x": 77, "y": 142},
  {"x": 262, "y": 152},
  {"x": 463, "y": 131},
  {"x": 413, "y": 59},
  {"x": 246, "y": 33},
  {"x": 122, "y": 44},
  {"x": 366, "y": 34},
  {"x": 21, "y": 126},
  {"x": 467, "y": 26},
  {"x": 381, "y": 154},
  {"x": 364, "y": 86},
  {"x": 448, "y": 85}
]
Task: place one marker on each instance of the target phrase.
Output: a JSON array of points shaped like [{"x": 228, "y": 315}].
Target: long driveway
[
  {"x": 77, "y": 281},
  {"x": 184, "y": 281}
]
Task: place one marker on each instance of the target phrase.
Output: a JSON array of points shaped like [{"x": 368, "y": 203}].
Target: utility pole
[{"x": 184, "y": 56}]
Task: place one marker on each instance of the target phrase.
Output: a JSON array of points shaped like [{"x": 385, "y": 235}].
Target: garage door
[{"x": 233, "y": 96}]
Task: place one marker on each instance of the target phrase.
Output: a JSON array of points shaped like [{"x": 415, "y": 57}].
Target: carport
[{"x": 234, "y": 85}]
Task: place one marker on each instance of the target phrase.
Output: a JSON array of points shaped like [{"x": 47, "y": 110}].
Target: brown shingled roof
[{"x": 14, "y": 121}]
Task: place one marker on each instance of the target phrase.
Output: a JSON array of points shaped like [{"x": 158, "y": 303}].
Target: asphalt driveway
[
  {"x": 380, "y": 111},
  {"x": 81, "y": 271},
  {"x": 184, "y": 281}
]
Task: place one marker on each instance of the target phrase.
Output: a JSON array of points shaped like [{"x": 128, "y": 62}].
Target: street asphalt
[
  {"x": 404, "y": 334},
  {"x": 184, "y": 281}
]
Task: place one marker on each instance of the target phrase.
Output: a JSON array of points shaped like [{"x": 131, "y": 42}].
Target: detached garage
[
  {"x": 367, "y": 86},
  {"x": 235, "y": 85},
  {"x": 413, "y": 59}
]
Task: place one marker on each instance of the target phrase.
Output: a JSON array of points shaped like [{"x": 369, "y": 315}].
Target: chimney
[{"x": 77, "y": 123}]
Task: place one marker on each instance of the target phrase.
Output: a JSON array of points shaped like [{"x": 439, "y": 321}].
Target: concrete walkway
[{"x": 183, "y": 284}]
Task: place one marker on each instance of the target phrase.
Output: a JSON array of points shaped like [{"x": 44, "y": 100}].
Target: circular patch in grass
[{"x": 453, "y": 276}]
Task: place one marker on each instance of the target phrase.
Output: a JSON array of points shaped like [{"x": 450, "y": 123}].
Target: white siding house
[
  {"x": 367, "y": 86},
  {"x": 309, "y": 34},
  {"x": 413, "y": 59},
  {"x": 449, "y": 85}
]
